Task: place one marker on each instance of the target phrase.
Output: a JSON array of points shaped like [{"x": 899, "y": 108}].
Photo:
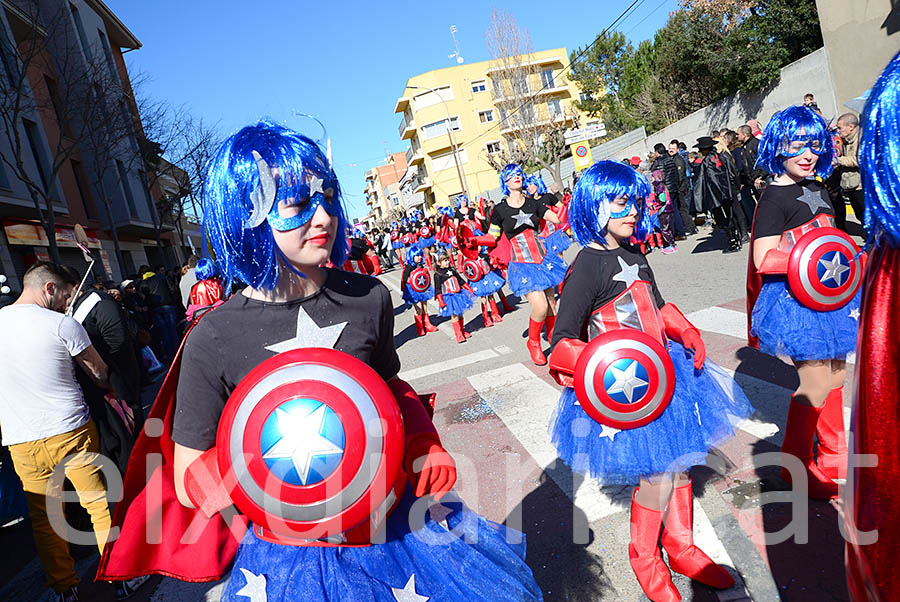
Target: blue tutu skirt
[
  {"x": 786, "y": 327},
  {"x": 426, "y": 242},
  {"x": 526, "y": 277},
  {"x": 480, "y": 560},
  {"x": 702, "y": 413},
  {"x": 396, "y": 244},
  {"x": 557, "y": 242},
  {"x": 411, "y": 296},
  {"x": 456, "y": 304},
  {"x": 489, "y": 284}
]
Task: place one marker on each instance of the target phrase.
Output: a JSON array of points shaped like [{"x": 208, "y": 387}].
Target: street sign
[
  {"x": 581, "y": 153},
  {"x": 586, "y": 133}
]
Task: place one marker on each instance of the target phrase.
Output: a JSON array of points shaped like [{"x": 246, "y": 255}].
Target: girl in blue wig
[
  {"x": 418, "y": 288},
  {"x": 814, "y": 324},
  {"x": 453, "y": 294},
  {"x": 623, "y": 418},
  {"x": 553, "y": 235},
  {"x": 273, "y": 213},
  {"x": 532, "y": 272}
]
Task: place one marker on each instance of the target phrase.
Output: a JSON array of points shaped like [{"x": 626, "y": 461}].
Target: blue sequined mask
[
  {"x": 632, "y": 203},
  {"x": 304, "y": 203},
  {"x": 798, "y": 144}
]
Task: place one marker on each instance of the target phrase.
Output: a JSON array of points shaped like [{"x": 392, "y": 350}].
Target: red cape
[
  {"x": 153, "y": 522},
  {"x": 872, "y": 569},
  {"x": 754, "y": 285}
]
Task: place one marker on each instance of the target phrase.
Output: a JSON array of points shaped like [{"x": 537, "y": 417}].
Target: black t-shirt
[
  {"x": 548, "y": 199},
  {"x": 782, "y": 208},
  {"x": 516, "y": 220},
  {"x": 227, "y": 343},
  {"x": 463, "y": 214},
  {"x": 358, "y": 248},
  {"x": 441, "y": 275},
  {"x": 591, "y": 283}
]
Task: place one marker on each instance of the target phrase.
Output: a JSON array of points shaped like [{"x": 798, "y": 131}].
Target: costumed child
[
  {"x": 532, "y": 271},
  {"x": 424, "y": 231},
  {"x": 870, "y": 506},
  {"x": 208, "y": 292},
  {"x": 361, "y": 258},
  {"x": 802, "y": 290},
  {"x": 484, "y": 282},
  {"x": 663, "y": 210},
  {"x": 418, "y": 289},
  {"x": 396, "y": 241},
  {"x": 642, "y": 404},
  {"x": 315, "y": 415},
  {"x": 453, "y": 294},
  {"x": 553, "y": 235}
]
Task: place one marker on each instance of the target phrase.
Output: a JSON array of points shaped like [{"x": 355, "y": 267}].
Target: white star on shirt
[
  {"x": 854, "y": 313},
  {"x": 628, "y": 274},
  {"x": 255, "y": 589},
  {"x": 834, "y": 269},
  {"x": 408, "y": 593},
  {"x": 813, "y": 200},
  {"x": 626, "y": 381},
  {"x": 301, "y": 440},
  {"x": 522, "y": 218},
  {"x": 309, "y": 335},
  {"x": 609, "y": 432}
]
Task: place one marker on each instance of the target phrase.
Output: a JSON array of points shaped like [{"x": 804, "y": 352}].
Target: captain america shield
[
  {"x": 822, "y": 272},
  {"x": 463, "y": 235},
  {"x": 472, "y": 270},
  {"x": 310, "y": 443},
  {"x": 624, "y": 378},
  {"x": 420, "y": 279}
]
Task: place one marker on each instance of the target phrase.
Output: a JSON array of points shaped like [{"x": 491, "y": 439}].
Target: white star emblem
[
  {"x": 626, "y": 381},
  {"x": 524, "y": 280},
  {"x": 854, "y": 313},
  {"x": 301, "y": 440},
  {"x": 439, "y": 514},
  {"x": 309, "y": 335},
  {"x": 609, "y": 432},
  {"x": 255, "y": 589},
  {"x": 408, "y": 593},
  {"x": 834, "y": 269},
  {"x": 522, "y": 218},
  {"x": 813, "y": 200},
  {"x": 315, "y": 185},
  {"x": 628, "y": 274}
]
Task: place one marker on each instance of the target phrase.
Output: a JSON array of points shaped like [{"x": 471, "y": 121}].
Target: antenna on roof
[{"x": 455, "y": 55}]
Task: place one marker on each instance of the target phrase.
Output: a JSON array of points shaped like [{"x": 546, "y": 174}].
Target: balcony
[
  {"x": 407, "y": 128},
  {"x": 511, "y": 125},
  {"x": 422, "y": 184},
  {"x": 550, "y": 60},
  {"x": 401, "y": 105},
  {"x": 414, "y": 156}
]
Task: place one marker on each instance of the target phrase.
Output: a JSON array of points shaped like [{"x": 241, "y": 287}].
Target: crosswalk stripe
[{"x": 453, "y": 363}]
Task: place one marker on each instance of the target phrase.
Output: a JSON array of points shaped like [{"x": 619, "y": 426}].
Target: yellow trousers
[{"x": 75, "y": 454}]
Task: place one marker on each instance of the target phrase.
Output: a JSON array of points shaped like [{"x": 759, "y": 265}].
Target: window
[
  {"x": 61, "y": 118},
  {"x": 547, "y": 79},
  {"x": 126, "y": 188},
  {"x": 84, "y": 189},
  {"x": 81, "y": 35},
  {"x": 432, "y": 97},
  {"x": 498, "y": 88},
  {"x": 4, "y": 179},
  {"x": 503, "y": 115},
  {"x": 492, "y": 147},
  {"x": 585, "y": 97},
  {"x": 554, "y": 108},
  {"x": 10, "y": 65},
  {"x": 127, "y": 125},
  {"x": 486, "y": 116},
  {"x": 108, "y": 52},
  {"x": 479, "y": 86},
  {"x": 438, "y": 128},
  {"x": 37, "y": 151}
]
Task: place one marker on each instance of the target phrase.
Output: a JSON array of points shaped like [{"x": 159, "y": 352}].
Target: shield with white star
[
  {"x": 420, "y": 279},
  {"x": 311, "y": 443},
  {"x": 471, "y": 269},
  {"x": 822, "y": 272},
  {"x": 624, "y": 378},
  {"x": 464, "y": 233}
]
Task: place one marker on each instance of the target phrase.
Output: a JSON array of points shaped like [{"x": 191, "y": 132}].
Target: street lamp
[{"x": 453, "y": 148}]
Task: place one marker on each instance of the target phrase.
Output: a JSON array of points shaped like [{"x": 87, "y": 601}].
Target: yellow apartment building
[{"x": 477, "y": 100}]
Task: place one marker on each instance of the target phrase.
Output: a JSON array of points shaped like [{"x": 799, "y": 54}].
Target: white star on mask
[
  {"x": 301, "y": 440},
  {"x": 522, "y": 218},
  {"x": 315, "y": 185},
  {"x": 309, "y": 335},
  {"x": 255, "y": 589},
  {"x": 626, "y": 381},
  {"x": 834, "y": 269},
  {"x": 813, "y": 200},
  {"x": 408, "y": 593},
  {"x": 628, "y": 274}
]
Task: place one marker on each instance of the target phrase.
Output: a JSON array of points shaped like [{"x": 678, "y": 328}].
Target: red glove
[
  {"x": 775, "y": 262},
  {"x": 440, "y": 300},
  {"x": 468, "y": 288},
  {"x": 563, "y": 360},
  {"x": 430, "y": 469},
  {"x": 691, "y": 340},
  {"x": 679, "y": 329},
  {"x": 485, "y": 240},
  {"x": 204, "y": 486}
]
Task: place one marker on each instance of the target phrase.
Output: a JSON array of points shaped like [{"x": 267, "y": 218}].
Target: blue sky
[{"x": 345, "y": 62}]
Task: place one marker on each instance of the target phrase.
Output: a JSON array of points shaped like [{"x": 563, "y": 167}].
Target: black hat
[{"x": 705, "y": 142}]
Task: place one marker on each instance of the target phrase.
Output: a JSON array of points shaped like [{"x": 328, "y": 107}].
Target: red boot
[
  {"x": 485, "y": 314},
  {"x": 798, "y": 441},
  {"x": 832, "y": 454},
  {"x": 462, "y": 327},
  {"x": 429, "y": 327},
  {"x": 458, "y": 331},
  {"x": 506, "y": 306},
  {"x": 549, "y": 323},
  {"x": 643, "y": 554},
  {"x": 534, "y": 343},
  {"x": 495, "y": 312},
  {"x": 678, "y": 541},
  {"x": 420, "y": 325}
]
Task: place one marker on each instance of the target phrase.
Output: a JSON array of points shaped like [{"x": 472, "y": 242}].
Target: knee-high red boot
[
  {"x": 798, "y": 441},
  {"x": 832, "y": 452},
  {"x": 643, "y": 554},
  {"x": 506, "y": 306},
  {"x": 534, "y": 342},
  {"x": 678, "y": 541},
  {"x": 458, "y": 330},
  {"x": 420, "y": 325},
  {"x": 429, "y": 327},
  {"x": 495, "y": 311},
  {"x": 462, "y": 327},
  {"x": 485, "y": 314},
  {"x": 549, "y": 323}
]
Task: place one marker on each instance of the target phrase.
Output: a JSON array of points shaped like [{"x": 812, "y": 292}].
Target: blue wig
[
  {"x": 599, "y": 184},
  {"x": 249, "y": 254},
  {"x": 459, "y": 199},
  {"x": 507, "y": 172},
  {"x": 879, "y": 156},
  {"x": 538, "y": 181},
  {"x": 415, "y": 254},
  {"x": 206, "y": 269},
  {"x": 783, "y": 128}
]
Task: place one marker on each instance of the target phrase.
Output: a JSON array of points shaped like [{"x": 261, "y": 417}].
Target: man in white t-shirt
[{"x": 43, "y": 416}]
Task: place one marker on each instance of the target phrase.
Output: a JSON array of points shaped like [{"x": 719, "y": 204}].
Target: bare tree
[{"x": 533, "y": 130}]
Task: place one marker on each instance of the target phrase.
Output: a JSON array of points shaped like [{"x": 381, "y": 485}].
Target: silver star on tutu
[
  {"x": 309, "y": 335},
  {"x": 408, "y": 593},
  {"x": 255, "y": 589},
  {"x": 628, "y": 274}
]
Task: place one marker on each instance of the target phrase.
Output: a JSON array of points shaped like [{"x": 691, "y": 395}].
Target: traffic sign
[
  {"x": 586, "y": 133},
  {"x": 581, "y": 153}
]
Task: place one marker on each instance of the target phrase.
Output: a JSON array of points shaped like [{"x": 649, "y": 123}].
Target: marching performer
[
  {"x": 418, "y": 289},
  {"x": 869, "y": 506},
  {"x": 361, "y": 258},
  {"x": 484, "y": 282},
  {"x": 532, "y": 272},
  {"x": 396, "y": 242},
  {"x": 309, "y": 434},
  {"x": 424, "y": 231},
  {"x": 208, "y": 292},
  {"x": 453, "y": 294},
  {"x": 642, "y": 403},
  {"x": 552, "y": 234},
  {"x": 803, "y": 290}
]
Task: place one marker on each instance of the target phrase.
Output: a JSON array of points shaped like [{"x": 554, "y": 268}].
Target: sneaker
[
  {"x": 670, "y": 250},
  {"x": 126, "y": 589},
  {"x": 70, "y": 595}
]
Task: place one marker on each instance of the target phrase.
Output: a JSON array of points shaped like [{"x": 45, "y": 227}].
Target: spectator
[
  {"x": 745, "y": 215},
  {"x": 165, "y": 312},
  {"x": 188, "y": 278},
  {"x": 848, "y": 164},
  {"x": 665, "y": 163},
  {"x": 810, "y": 101},
  {"x": 684, "y": 188},
  {"x": 714, "y": 190},
  {"x": 750, "y": 177},
  {"x": 44, "y": 418}
]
